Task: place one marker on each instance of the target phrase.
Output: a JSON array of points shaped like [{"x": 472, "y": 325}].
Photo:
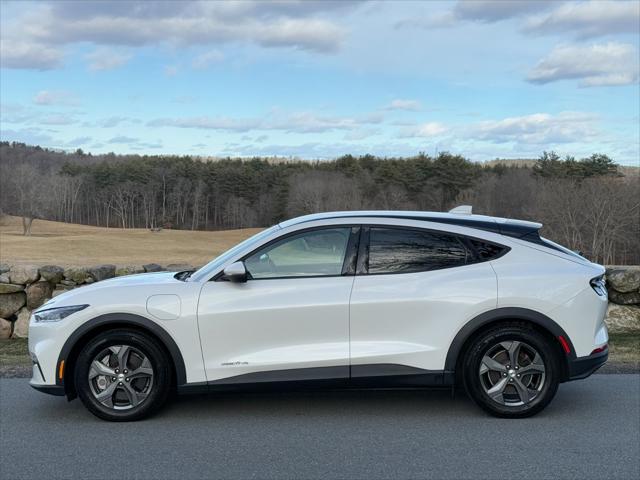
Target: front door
[{"x": 290, "y": 320}]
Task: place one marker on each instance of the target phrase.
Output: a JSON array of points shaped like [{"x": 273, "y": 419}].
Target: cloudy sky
[{"x": 318, "y": 79}]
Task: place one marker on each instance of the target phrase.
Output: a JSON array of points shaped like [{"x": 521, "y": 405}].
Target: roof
[{"x": 504, "y": 226}]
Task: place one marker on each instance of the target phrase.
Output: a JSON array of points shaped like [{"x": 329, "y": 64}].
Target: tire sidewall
[
  {"x": 488, "y": 340},
  {"x": 150, "y": 348}
]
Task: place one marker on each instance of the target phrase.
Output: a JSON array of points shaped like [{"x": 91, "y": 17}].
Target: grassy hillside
[{"x": 70, "y": 244}]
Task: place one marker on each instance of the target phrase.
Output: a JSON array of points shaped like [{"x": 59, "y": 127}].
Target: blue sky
[{"x": 312, "y": 79}]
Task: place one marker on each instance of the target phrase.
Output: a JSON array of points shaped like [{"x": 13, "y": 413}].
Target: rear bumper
[{"x": 582, "y": 367}]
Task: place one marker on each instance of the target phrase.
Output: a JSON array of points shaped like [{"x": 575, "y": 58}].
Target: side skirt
[{"x": 355, "y": 376}]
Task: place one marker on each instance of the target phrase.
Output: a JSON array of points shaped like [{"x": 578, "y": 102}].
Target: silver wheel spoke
[
  {"x": 143, "y": 370},
  {"x": 123, "y": 357},
  {"x": 489, "y": 363},
  {"x": 106, "y": 397},
  {"x": 497, "y": 390},
  {"x": 513, "y": 348},
  {"x": 99, "y": 368},
  {"x": 134, "y": 397},
  {"x": 523, "y": 392},
  {"x": 536, "y": 366}
]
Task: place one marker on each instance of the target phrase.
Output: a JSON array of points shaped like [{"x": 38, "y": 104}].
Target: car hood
[
  {"x": 137, "y": 279},
  {"x": 143, "y": 279}
]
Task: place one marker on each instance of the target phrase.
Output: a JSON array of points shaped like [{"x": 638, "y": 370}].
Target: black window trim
[
  {"x": 365, "y": 242},
  {"x": 348, "y": 264},
  {"x": 356, "y": 261}
]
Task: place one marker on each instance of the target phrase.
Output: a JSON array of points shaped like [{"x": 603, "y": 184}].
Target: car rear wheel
[
  {"x": 122, "y": 375},
  {"x": 511, "y": 371}
]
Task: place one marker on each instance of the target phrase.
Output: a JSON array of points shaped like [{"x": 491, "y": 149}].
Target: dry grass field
[{"x": 67, "y": 244}]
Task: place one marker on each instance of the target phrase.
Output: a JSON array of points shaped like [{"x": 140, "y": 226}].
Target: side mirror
[{"x": 236, "y": 272}]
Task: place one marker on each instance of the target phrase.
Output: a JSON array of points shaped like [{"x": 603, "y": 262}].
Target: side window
[
  {"x": 396, "y": 250},
  {"x": 313, "y": 253},
  {"x": 486, "y": 251}
]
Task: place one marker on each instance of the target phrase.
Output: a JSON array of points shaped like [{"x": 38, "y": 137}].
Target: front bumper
[
  {"x": 57, "y": 390},
  {"x": 582, "y": 367}
]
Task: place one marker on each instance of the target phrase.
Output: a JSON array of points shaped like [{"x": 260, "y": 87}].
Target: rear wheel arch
[
  {"x": 508, "y": 315},
  {"x": 114, "y": 321}
]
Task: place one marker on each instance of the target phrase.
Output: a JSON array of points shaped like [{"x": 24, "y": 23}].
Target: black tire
[
  {"x": 157, "y": 385},
  {"x": 509, "y": 403}
]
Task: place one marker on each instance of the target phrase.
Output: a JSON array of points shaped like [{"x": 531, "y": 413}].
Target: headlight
[{"x": 57, "y": 314}]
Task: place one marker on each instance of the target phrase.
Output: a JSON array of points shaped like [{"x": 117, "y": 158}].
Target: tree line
[{"x": 588, "y": 204}]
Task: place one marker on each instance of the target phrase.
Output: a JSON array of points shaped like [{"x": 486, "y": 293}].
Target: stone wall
[
  {"x": 623, "y": 285},
  {"x": 25, "y": 288}
]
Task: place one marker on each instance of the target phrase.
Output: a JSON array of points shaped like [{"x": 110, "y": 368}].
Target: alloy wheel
[
  {"x": 121, "y": 377},
  {"x": 512, "y": 373}
]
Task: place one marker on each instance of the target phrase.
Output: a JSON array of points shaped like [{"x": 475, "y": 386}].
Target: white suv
[{"x": 371, "y": 298}]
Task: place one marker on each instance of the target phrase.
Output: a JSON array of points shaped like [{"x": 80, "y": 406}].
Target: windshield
[{"x": 217, "y": 262}]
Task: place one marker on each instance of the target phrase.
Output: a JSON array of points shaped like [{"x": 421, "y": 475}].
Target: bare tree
[{"x": 30, "y": 188}]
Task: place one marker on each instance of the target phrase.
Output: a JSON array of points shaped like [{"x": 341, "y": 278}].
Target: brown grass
[{"x": 70, "y": 244}]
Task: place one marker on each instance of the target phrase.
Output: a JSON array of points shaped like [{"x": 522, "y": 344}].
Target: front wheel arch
[
  {"x": 492, "y": 318},
  {"x": 111, "y": 321}
]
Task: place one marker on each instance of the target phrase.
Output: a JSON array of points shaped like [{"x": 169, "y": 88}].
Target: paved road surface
[{"x": 591, "y": 430}]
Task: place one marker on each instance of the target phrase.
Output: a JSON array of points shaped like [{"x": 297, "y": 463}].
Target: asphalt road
[{"x": 591, "y": 430}]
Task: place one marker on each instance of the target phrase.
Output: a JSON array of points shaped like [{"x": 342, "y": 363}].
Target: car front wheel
[
  {"x": 511, "y": 371},
  {"x": 122, "y": 375}
]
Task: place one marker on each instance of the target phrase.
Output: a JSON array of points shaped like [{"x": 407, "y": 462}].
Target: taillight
[
  {"x": 598, "y": 285},
  {"x": 600, "y": 349}
]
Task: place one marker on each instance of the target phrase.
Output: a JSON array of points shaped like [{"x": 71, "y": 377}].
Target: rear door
[{"x": 415, "y": 288}]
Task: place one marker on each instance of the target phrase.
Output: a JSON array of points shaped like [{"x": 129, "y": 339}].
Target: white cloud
[
  {"x": 30, "y": 136},
  {"x": 404, "y": 104},
  {"x": 205, "y": 60},
  {"x": 538, "y": 128},
  {"x": 111, "y": 122},
  {"x": 589, "y": 19},
  {"x": 18, "y": 114},
  {"x": 79, "y": 141},
  {"x": 28, "y": 55},
  {"x": 361, "y": 134},
  {"x": 34, "y": 39},
  {"x": 584, "y": 19},
  {"x": 122, "y": 139},
  {"x": 305, "y": 34},
  {"x": 307, "y": 122},
  {"x": 429, "y": 129},
  {"x": 57, "y": 119},
  {"x": 594, "y": 65},
  {"x": 495, "y": 10},
  {"x": 484, "y": 11},
  {"x": 208, "y": 123},
  {"x": 60, "y": 97},
  {"x": 300, "y": 122},
  {"x": 107, "y": 59},
  {"x": 134, "y": 143}
]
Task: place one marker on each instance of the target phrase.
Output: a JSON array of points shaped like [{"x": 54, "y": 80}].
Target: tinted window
[
  {"x": 314, "y": 253},
  {"x": 486, "y": 251},
  {"x": 394, "y": 250}
]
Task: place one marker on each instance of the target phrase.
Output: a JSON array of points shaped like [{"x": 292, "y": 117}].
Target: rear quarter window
[
  {"x": 486, "y": 251},
  {"x": 398, "y": 250}
]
